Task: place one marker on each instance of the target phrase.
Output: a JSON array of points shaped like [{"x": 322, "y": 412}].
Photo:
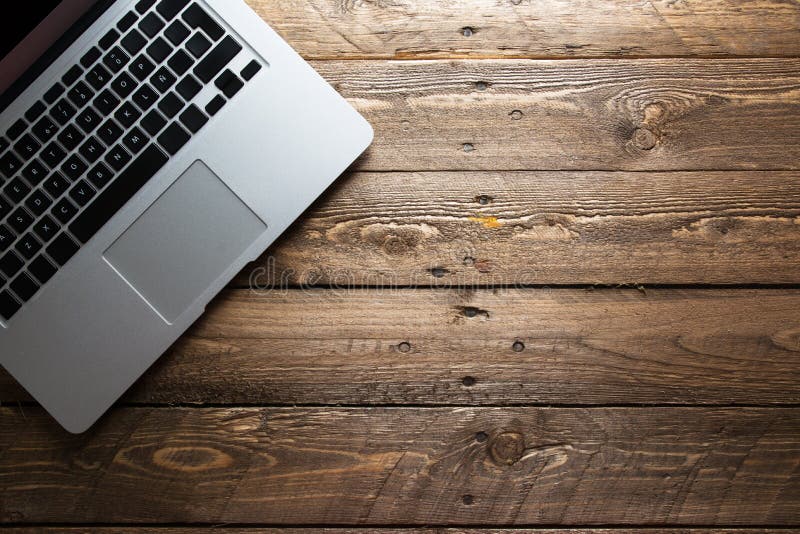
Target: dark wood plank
[
  {"x": 575, "y": 347},
  {"x": 581, "y": 115},
  {"x": 388, "y": 530},
  {"x": 485, "y": 228},
  {"x": 406, "y": 466},
  {"x": 410, "y": 29}
]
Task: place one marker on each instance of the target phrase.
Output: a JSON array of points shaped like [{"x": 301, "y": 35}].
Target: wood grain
[
  {"x": 406, "y": 466},
  {"x": 578, "y": 347},
  {"x": 504, "y": 228},
  {"x": 387, "y": 530},
  {"x": 575, "y": 115},
  {"x": 403, "y": 29}
]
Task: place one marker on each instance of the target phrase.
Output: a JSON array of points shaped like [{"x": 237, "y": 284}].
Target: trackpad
[{"x": 184, "y": 241}]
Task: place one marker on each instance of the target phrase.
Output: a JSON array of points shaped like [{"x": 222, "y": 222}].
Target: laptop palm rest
[{"x": 184, "y": 241}]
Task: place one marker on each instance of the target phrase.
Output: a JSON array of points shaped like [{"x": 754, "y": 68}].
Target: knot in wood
[
  {"x": 644, "y": 138},
  {"x": 507, "y": 448}
]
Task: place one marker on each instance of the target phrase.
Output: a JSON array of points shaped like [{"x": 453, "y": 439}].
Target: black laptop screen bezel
[{"x": 52, "y": 53}]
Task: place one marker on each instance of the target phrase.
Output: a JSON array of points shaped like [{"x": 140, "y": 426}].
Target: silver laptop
[{"x": 148, "y": 150}]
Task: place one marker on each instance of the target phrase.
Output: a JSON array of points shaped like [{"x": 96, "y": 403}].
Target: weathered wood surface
[
  {"x": 388, "y": 530},
  {"x": 324, "y": 29},
  {"x": 489, "y": 228},
  {"x": 450, "y": 346},
  {"x": 584, "y": 115},
  {"x": 434, "y": 466}
]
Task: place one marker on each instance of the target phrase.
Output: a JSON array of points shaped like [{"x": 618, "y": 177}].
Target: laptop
[{"x": 148, "y": 151}]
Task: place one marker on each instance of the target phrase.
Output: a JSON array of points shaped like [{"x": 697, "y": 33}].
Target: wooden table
[{"x": 561, "y": 289}]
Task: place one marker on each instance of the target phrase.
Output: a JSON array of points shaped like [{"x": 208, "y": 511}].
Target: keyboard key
[
  {"x": 151, "y": 25},
  {"x": 116, "y": 59},
  {"x": 98, "y": 76},
  {"x": 5, "y": 207},
  {"x": 64, "y": 211},
  {"x": 141, "y": 67},
  {"x": 100, "y": 175},
  {"x": 228, "y": 83},
  {"x": 70, "y": 137},
  {"x": 91, "y": 150},
  {"x": 82, "y": 193},
  {"x": 16, "y": 190},
  {"x": 34, "y": 172},
  {"x": 16, "y": 129},
  {"x": 188, "y": 87},
  {"x": 169, "y": 8},
  {"x": 35, "y": 111},
  {"x": 215, "y": 105},
  {"x": 170, "y": 105},
  {"x": 133, "y": 42},
  {"x": 88, "y": 120},
  {"x": 56, "y": 184},
  {"x": 145, "y": 97},
  {"x": 74, "y": 167},
  {"x": 108, "y": 40},
  {"x": 198, "y": 45},
  {"x": 123, "y": 85},
  {"x": 9, "y": 305},
  {"x": 163, "y": 80},
  {"x": 109, "y": 132},
  {"x": 62, "y": 249},
  {"x": 62, "y": 111},
  {"x": 159, "y": 50},
  {"x": 4, "y": 144},
  {"x": 38, "y": 202},
  {"x": 110, "y": 201},
  {"x": 53, "y": 155},
  {"x": 20, "y": 220},
  {"x": 10, "y": 264},
  {"x": 72, "y": 75},
  {"x": 127, "y": 114},
  {"x": 180, "y": 62},
  {"x": 217, "y": 59},
  {"x": 28, "y": 246},
  {"x": 251, "y": 70},
  {"x": 173, "y": 138},
  {"x": 42, "y": 269},
  {"x": 9, "y": 164},
  {"x": 80, "y": 95},
  {"x": 117, "y": 157},
  {"x": 27, "y": 146},
  {"x": 127, "y": 21},
  {"x": 46, "y": 228},
  {"x": 106, "y": 102},
  {"x": 90, "y": 57},
  {"x": 45, "y": 129},
  {"x": 193, "y": 118},
  {"x": 53, "y": 93},
  {"x": 144, "y": 5},
  {"x": 24, "y": 287},
  {"x": 135, "y": 140},
  {"x": 6, "y": 237},
  {"x": 196, "y": 17},
  {"x": 153, "y": 122},
  {"x": 176, "y": 32}
]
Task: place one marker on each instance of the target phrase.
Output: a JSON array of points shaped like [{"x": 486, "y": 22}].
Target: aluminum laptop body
[{"x": 219, "y": 201}]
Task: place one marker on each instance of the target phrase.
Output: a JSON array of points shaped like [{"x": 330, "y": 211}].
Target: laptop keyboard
[{"x": 102, "y": 132}]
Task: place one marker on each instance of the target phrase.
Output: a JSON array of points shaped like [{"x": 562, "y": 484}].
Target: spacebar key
[{"x": 118, "y": 193}]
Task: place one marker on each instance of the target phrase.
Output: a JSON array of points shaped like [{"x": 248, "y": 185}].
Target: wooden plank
[
  {"x": 384, "y": 530},
  {"x": 578, "y": 347},
  {"x": 484, "y": 228},
  {"x": 464, "y": 466},
  {"x": 324, "y": 29},
  {"x": 580, "y": 115}
]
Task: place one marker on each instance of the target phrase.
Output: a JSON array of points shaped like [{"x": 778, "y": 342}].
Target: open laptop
[{"x": 148, "y": 150}]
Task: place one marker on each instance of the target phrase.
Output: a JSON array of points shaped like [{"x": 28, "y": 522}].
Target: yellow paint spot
[{"x": 488, "y": 222}]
